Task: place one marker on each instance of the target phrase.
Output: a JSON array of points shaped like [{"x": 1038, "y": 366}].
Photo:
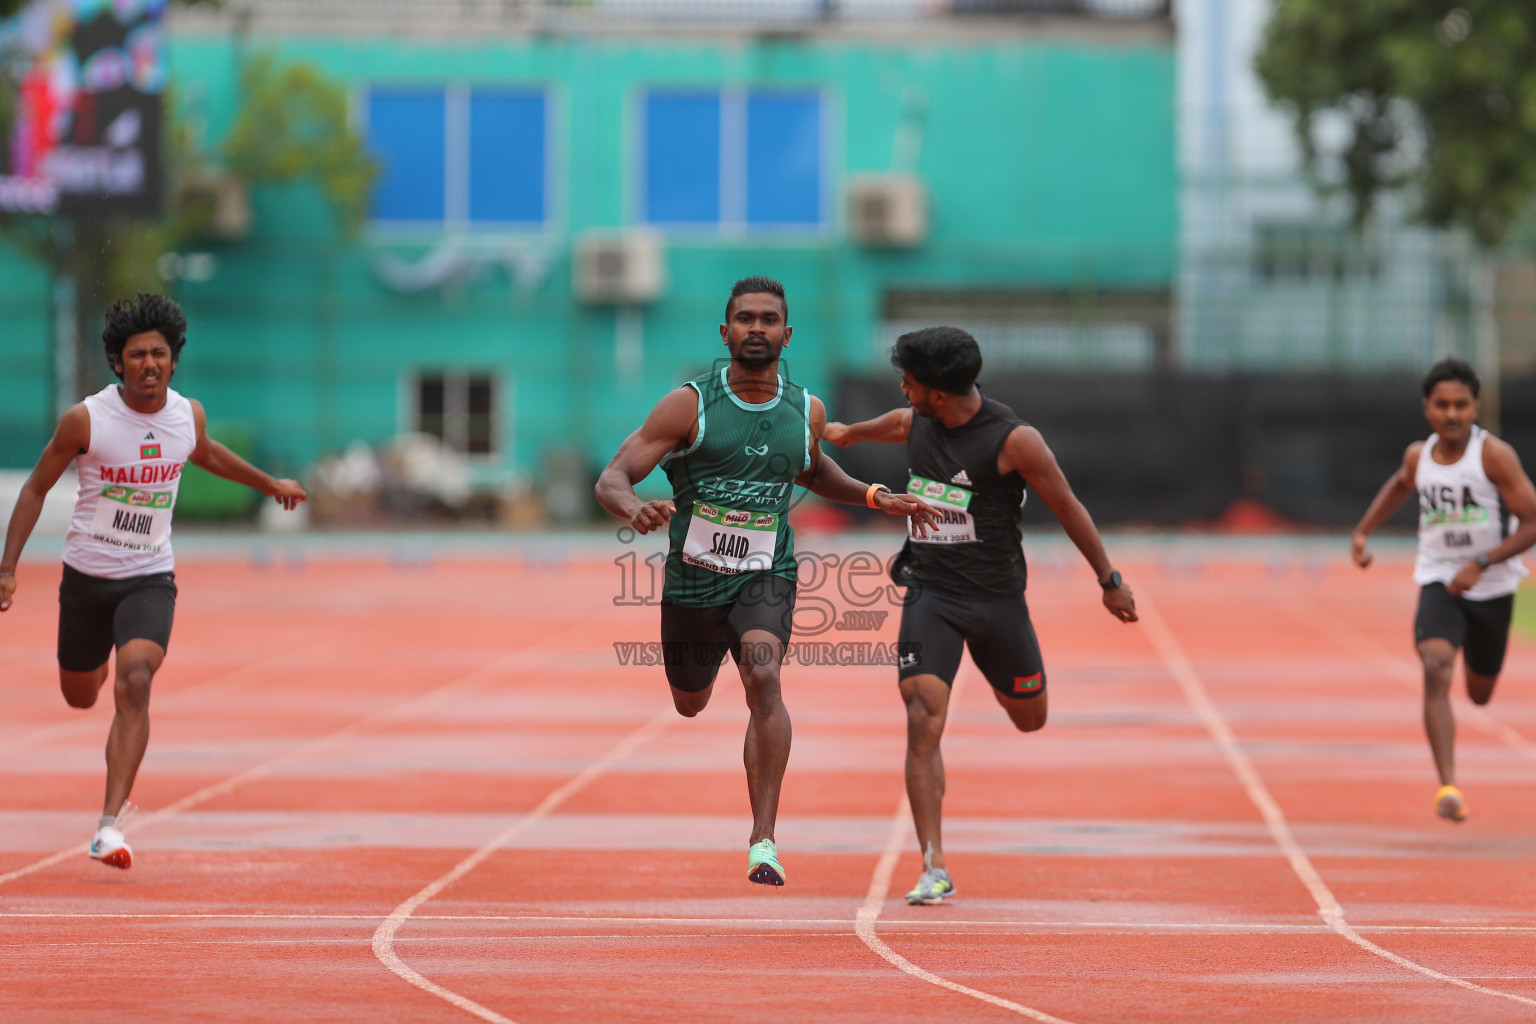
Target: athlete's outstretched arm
[
  {"x": 220, "y": 461},
  {"x": 1388, "y": 500},
  {"x": 1026, "y": 452},
  {"x": 1518, "y": 495},
  {"x": 671, "y": 426},
  {"x": 892, "y": 428},
  {"x": 72, "y": 436},
  {"x": 831, "y": 481}
]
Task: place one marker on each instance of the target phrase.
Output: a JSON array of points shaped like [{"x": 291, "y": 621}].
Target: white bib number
[
  {"x": 133, "y": 519},
  {"x": 953, "y": 503},
  {"x": 727, "y": 540}
]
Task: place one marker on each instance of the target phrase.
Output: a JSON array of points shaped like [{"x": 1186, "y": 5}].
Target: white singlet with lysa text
[
  {"x": 128, "y": 482},
  {"x": 728, "y": 540},
  {"x": 1460, "y": 516}
]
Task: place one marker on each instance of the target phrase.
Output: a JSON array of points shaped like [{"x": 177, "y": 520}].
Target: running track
[{"x": 426, "y": 791}]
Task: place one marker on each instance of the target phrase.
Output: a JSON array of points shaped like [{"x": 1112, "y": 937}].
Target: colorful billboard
[{"x": 88, "y": 77}]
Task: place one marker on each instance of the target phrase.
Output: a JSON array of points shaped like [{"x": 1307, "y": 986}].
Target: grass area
[{"x": 1525, "y": 611}]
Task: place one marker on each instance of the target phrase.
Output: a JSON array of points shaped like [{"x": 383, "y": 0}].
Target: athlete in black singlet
[{"x": 970, "y": 457}]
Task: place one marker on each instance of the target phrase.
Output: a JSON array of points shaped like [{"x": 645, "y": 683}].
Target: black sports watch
[
  {"x": 1114, "y": 582},
  {"x": 1482, "y": 560}
]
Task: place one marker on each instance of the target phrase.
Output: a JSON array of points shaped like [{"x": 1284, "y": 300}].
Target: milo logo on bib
[
  {"x": 135, "y": 519},
  {"x": 953, "y": 503},
  {"x": 728, "y": 540}
]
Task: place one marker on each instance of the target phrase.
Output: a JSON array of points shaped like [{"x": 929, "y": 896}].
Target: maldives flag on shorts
[{"x": 1028, "y": 684}]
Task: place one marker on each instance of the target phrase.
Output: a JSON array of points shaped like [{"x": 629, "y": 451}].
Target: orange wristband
[{"x": 869, "y": 495}]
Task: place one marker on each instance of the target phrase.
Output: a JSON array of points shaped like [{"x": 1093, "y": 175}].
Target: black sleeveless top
[{"x": 965, "y": 459}]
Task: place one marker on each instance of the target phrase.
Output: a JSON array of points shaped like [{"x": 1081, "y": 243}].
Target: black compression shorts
[
  {"x": 997, "y": 631},
  {"x": 1479, "y": 628},
  {"x": 694, "y": 641},
  {"x": 97, "y": 614}
]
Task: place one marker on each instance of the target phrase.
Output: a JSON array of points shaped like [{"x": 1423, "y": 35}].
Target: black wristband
[
  {"x": 1114, "y": 582},
  {"x": 1482, "y": 560}
]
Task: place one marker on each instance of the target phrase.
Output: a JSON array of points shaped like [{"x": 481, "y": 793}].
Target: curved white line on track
[
  {"x": 1183, "y": 672},
  {"x": 384, "y": 935},
  {"x": 480, "y": 676},
  {"x": 864, "y": 926},
  {"x": 880, "y": 887}
]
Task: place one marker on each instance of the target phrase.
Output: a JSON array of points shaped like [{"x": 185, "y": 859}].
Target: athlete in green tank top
[
  {"x": 733, "y": 485},
  {"x": 734, "y": 443}
]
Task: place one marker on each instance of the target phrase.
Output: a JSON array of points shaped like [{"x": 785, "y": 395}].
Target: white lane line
[
  {"x": 232, "y": 681},
  {"x": 1183, "y": 672},
  {"x": 384, "y": 936},
  {"x": 479, "y": 677},
  {"x": 835, "y": 923},
  {"x": 864, "y": 925},
  {"x": 1404, "y": 670},
  {"x": 880, "y": 886}
]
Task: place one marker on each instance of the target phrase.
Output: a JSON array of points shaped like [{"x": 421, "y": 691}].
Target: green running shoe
[
  {"x": 763, "y": 863},
  {"x": 933, "y": 888}
]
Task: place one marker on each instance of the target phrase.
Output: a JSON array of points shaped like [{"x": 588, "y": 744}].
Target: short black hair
[
  {"x": 1451, "y": 368},
  {"x": 946, "y": 358},
  {"x": 754, "y": 285},
  {"x": 146, "y": 313}
]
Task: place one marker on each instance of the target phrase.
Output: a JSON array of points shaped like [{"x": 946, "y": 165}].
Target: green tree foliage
[
  {"x": 1435, "y": 97},
  {"x": 294, "y": 125}
]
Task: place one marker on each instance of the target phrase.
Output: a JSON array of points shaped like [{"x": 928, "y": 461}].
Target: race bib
[
  {"x": 133, "y": 519},
  {"x": 727, "y": 540},
  {"x": 953, "y": 504}
]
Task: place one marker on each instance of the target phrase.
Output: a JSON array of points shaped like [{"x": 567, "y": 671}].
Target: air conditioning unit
[
  {"x": 888, "y": 210},
  {"x": 626, "y": 268}
]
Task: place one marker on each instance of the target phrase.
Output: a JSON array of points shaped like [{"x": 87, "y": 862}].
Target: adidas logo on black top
[{"x": 961, "y": 478}]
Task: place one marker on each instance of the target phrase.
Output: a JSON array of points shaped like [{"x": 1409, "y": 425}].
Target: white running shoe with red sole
[{"x": 111, "y": 848}]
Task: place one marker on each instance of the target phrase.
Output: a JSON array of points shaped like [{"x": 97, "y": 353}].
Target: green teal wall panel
[{"x": 1049, "y": 165}]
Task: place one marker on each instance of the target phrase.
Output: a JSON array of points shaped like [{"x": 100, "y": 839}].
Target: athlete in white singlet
[
  {"x": 130, "y": 442},
  {"x": 1477, "y": 513}
]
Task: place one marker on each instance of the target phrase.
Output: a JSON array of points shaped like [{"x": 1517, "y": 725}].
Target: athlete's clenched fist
[{"x": 653, "y": 515}]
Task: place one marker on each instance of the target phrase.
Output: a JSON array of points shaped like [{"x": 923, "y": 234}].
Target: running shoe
[
  {"x": 933, "y": 888},
  {"x": 111, "y": 848},
  {"x": 1450, "y": 804},
  {"x": 763, "y": 865}
]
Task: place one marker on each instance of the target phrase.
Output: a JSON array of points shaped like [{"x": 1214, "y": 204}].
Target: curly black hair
[
  {"x": 1451, "y": 368},
  {"x": 146, "y": 313},
  {"x": 946, "y": 358},
  {"x": 753, "y": 286}
]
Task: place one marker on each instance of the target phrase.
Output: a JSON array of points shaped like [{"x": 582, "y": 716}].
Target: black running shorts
[
  {"x": 98, "y": 614},
  {"x": 694, "y": 641},
  {"x": 1479, "y": 628},
  {"x": 935, "y": 626}
]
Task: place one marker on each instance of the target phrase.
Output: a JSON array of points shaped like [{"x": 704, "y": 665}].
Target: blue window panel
[
  {"x": 405, "y": 133},
  {"x": 784, "y": 159},
  {"x": 682, "y": 158},
  {"x": 506, "y": 157}
]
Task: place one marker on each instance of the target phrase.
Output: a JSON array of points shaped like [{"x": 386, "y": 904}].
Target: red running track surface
[{"x": 430, "y": 792}]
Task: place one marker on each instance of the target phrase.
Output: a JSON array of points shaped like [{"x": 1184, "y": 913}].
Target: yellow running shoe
[
  {"x": 1450, "y": 804},
  {"x": 933, "y": 888}
]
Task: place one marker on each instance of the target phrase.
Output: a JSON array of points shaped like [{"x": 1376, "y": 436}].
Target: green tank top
[{"x": 732, "y": 488}]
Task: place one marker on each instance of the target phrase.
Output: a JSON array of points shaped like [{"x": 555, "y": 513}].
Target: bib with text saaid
[
  {"x": 953, "y": 503},
  {"x": 134, "y": 519},
  {"x": 729, "y": 540}
]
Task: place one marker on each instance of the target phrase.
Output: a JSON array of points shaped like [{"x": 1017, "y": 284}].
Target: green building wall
[{"x": 1049, "y": 165}]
